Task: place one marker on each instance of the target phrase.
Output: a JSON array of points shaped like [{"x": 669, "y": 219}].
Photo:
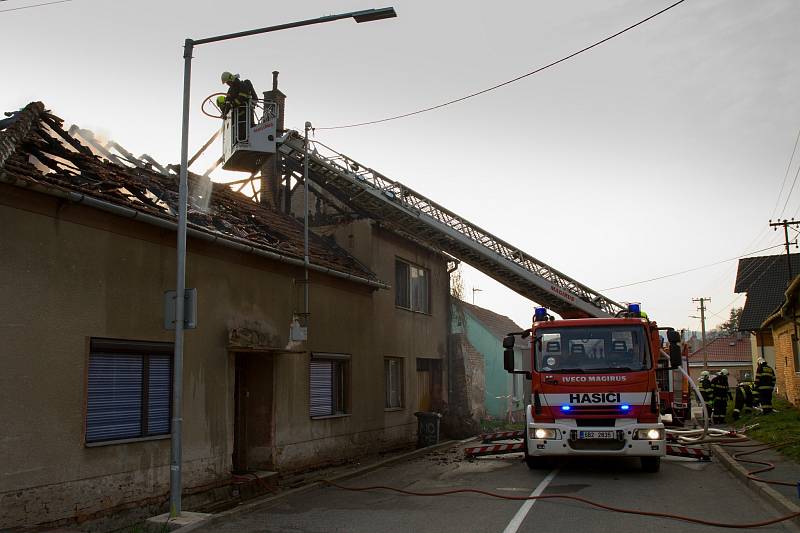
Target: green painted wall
[{"x": 498, "y": 381}]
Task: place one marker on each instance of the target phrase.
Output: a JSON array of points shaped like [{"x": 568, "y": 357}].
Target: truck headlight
[
  {"x": 650, "y": 434},
  {"x": 543, "y": 433}
]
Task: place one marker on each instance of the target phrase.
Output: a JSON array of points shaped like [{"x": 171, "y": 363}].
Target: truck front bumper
[{"x": 568, "y": 439}]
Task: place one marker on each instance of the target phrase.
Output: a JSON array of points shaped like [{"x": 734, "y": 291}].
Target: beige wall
[
  {"x": 70, "y": 273},
  {"x": 787, "y": 379}
]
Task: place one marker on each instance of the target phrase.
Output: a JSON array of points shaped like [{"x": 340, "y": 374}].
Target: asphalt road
[{"x": 686, "y": 487}]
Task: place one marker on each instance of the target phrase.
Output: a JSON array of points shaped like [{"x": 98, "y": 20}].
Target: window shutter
[
  {"x": 158, "y": 394},
  {"x": 402, "y": 285},
  {"x": 114, "y": 404},
  {"x": 321, "y": 388}
]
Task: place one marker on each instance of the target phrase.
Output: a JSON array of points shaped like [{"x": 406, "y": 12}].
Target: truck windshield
[{"x": 591, "y": 350}]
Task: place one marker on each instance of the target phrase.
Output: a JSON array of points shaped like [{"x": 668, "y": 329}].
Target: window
[
  {"x": 411, "y": 286},
  {"x": 129, "y": 390},
  {"x": 592, "y": 349},
  {"x": 795, "y": 354},
  {"x": 393, "y": 377},
  {"x": 328, "y": 384}
]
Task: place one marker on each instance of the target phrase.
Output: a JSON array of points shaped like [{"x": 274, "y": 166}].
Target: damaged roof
[{"x": 36, "y": 152}]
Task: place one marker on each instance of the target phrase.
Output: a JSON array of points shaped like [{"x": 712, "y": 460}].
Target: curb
[
  {"x": 263, "y": 502},
  {"x": 775, "y": 498}
]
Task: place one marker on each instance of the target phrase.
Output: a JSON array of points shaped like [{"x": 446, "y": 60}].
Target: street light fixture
[{"x": 367, "y": 15}]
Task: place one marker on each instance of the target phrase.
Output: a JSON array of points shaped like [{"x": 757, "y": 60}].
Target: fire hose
[
  {"x": 585, "y": 501},
  {"x": 691, "y": 436}
]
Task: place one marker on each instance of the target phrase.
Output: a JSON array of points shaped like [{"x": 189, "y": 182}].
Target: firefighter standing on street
[
  {"x": 722, "y": 394},
  {"x": 240, "y": 93},
  {"x": 765, "y": 383},
  {"x": 706, "y": 390},
  {"x": 743, "y": 399}
]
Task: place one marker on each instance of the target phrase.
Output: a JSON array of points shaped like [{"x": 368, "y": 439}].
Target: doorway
[{"x": 253, "y": 424}]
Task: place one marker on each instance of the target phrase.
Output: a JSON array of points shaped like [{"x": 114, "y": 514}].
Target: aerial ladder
[{"x": 409, "y": 212}]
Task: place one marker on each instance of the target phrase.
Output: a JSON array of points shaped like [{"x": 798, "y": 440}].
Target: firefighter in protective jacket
[
  {"x": 240, "y": 93},
  {"x": 765, "y": 383},
  {"x": 706, "y": 390},
  {"x": 722, "y": 394},
  {"x": 743, "y": 399}
]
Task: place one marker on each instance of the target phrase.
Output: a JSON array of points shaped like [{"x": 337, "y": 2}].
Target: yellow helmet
[{"x": 227, "y": 77}]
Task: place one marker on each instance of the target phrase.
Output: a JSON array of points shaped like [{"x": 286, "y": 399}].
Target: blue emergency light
[
  {"x": 566, "y": 407},
  {"x": 540, "y": 314},
  {"x": 634, "y": 309},
  {"x": 625, "y": 407}
]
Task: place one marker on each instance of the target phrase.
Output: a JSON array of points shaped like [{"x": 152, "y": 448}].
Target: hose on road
[{"x": 585, "y": 501}]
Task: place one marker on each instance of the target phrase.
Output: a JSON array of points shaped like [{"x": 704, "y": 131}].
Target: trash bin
[{"x": 427, "y": 428}]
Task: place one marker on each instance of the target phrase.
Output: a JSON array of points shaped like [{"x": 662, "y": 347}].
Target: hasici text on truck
[{"x": 593, "y": 387}]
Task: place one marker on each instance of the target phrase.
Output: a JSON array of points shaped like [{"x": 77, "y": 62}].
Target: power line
[
  {"x": 503, "y": 84},
  {"x": 34, "y": 5},
  {"x": 786, "y": 175},
  {"x": 690, "y": 269}
]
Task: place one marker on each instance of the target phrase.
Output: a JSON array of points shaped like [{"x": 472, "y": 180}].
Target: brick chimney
[{"x": 271, "y": 169}]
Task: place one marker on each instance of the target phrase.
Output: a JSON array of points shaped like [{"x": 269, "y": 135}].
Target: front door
[{"x": 253, "y": 421}]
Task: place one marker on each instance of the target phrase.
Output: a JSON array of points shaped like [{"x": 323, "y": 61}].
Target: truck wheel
[{"x": 651, "y": 464}]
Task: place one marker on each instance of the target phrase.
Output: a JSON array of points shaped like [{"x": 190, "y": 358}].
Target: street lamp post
[{"x": 367, "y": 15}]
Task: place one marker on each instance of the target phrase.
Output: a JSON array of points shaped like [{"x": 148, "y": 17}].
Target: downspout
[{"x": 448, "y": 299}]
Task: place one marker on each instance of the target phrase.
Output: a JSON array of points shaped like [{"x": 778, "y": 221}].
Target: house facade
[
  {"x": 764, "y": 279},
  {"x": 784, "y": 329},
  {"x": 732, "y": 352},
  {"x": 88, "y": 249},
  {"x": 494, "y": 393}
]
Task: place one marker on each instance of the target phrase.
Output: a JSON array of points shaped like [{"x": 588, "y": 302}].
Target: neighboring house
[
  {"x": 493, "y": 391},
  {"x": 784, "y": 327},
  {"x": 764, "y": 279},
  {"x": 731, "y": 352},
  {"x": 88, "y": 251}
]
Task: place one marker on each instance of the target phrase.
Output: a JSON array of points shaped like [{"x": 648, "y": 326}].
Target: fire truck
[{"x": 594, "y": 387}]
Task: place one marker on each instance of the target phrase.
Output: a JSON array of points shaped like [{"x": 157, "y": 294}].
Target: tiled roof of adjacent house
[
  {"x": 36, "y": 152},
  {"x": 732, "y": 348},
  {"x": 765, "y": 280},
  {"x": 497, "y": 324}
]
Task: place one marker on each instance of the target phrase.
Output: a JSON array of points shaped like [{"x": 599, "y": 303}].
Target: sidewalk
[{"x": 783, "y": 497}]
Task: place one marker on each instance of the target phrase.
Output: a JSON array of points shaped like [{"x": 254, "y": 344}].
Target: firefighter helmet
[
  {"x": 761, "y": 361},
  {"x": 724, "y": 371},
  {"x": 228, "y": 77},
  {"x": 704, "y": 374}
]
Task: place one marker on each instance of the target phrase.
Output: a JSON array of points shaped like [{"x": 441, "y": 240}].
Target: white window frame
[
  {"x": 418, "y": 279},
  {"x": 394, "y": 367}
]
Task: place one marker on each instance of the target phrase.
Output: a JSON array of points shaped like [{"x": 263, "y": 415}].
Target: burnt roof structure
[
  {"x": 37, "y": 153},
  {"x": 764, "y": 279}
]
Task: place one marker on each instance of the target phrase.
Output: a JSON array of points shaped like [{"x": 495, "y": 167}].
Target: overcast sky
[{"x": 662, "y": 150}]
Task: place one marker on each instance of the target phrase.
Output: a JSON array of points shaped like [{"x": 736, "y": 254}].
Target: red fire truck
[{"x": 593, "y": 387}]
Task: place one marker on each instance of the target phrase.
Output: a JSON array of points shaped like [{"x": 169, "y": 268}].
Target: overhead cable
[
  {"x": 508, "y": 82},
  {"x": 785, "y": 176},
  {"x": 34, "y": 5},
  {"x": 691, "y": 269}
]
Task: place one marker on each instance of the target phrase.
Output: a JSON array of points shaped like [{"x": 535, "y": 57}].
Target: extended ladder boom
[{"x": 406, "y": 210}]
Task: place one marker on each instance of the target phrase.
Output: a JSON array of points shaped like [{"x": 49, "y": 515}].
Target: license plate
[{"x": 597, "y": 435}]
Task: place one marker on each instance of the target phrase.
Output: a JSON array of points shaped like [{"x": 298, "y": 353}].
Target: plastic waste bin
[{"x": 427, "y": 428}]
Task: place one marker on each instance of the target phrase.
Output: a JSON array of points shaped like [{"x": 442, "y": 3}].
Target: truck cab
[{"x": 593, "y": 389}]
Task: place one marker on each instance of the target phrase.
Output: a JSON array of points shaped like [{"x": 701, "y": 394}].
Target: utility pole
[
  {"x": 474, "y": 290},
  {"x": 702, "y": 310},
  {"x": 786, "y": 223}
]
